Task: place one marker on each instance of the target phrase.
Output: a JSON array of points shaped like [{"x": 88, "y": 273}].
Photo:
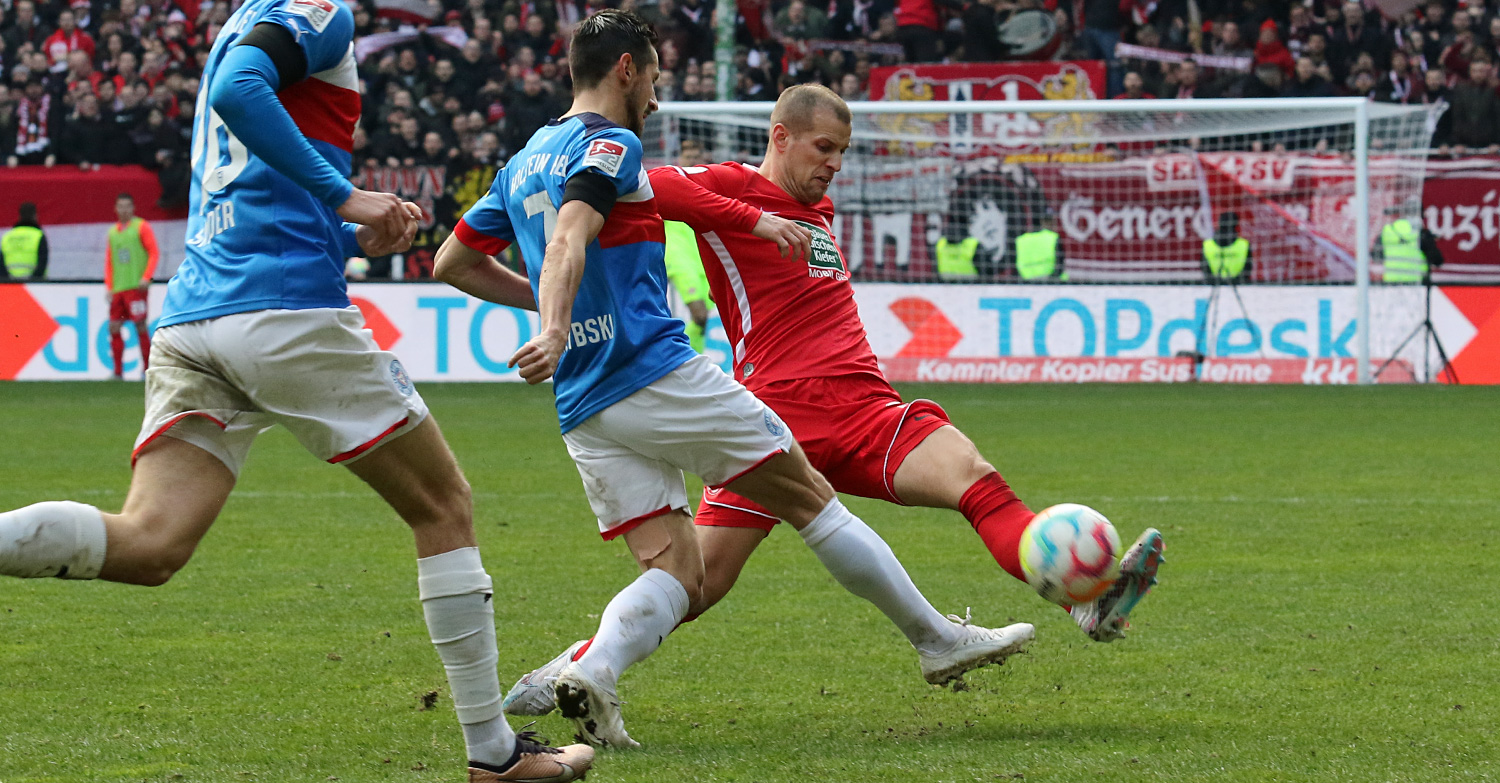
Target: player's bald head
[{"x": 799, "y": 106}]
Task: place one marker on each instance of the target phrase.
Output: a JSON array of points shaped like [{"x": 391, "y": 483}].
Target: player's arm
[
  {"x": 243, "y": 94},
  {"x": 684, "y": 198},
  {"x": 478, "y": 274},
  {"x": 153, "y": 254},
  {"x": 578, "y": 223},
  {"x": 109, "y": 269}
]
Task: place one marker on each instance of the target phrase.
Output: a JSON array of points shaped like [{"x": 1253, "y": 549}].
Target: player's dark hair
[
  {"x": 125, "y": 197},
  {"x": 599, "y": 40}
]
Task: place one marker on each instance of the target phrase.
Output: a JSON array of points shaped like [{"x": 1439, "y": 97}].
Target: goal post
[{"x": 1134, "y": 188}]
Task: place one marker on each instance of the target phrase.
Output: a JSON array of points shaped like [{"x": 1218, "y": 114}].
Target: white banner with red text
[{"x": 960, "y": 333}]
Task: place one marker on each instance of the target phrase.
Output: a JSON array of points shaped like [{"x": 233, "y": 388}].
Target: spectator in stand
[
  {"x": 1269, "y": 50},
  {"x": 801, "y": 23},
  {"x": 1135, "y": 87},
  {"x": 1436, "y": 34},
  {"x": 981, "y": 41},
  {"x": 7, "y": 128},
  {"x": 405, "y": 146},
  {"x": 1476, "y": 112},
  {"x": 1306, "y": 83},
  {"x": 857, "y": 20},
  {"x": 85, "y": 139},
  {"x": 529, "y": 109},
  {"x": 1357, "y": 34},
  {"x": 1187, "y": 79},
  {"x": 26, "y": 29},
  {"x": 67, "y": 39},
  {"x": 917, "y": 30},
  {"x": 1435, "y": 92},
  {"x": 1401, "y": 83},
  {"x": 1102, "y": 22},
  {"x": 37, "y": 116},
  {"x": 1300, "y": 26},
  {"x": 852, "y": 89},
  {"x": 1228, "y": 42},
  {"x": 694, "y": 16}
]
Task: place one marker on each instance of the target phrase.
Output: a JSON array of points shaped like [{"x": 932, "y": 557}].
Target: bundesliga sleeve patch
[
  {"x": 317, "y": 12},
  {"x": 605, "y": 155}
]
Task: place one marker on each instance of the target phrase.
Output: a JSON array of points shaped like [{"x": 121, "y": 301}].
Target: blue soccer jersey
[
  {"x": 622, "y": 336},
  {"x": 256, "y": 240}
]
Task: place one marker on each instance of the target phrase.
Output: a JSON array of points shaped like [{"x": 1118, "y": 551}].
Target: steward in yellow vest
[
  {"x": 1401, "y": 249},
  {"x": 1039, "y": 255},
  {"x": 955, "y": 260},
  {"x": 23, "y": 249},
  {"x": 1226, "y": 257}
]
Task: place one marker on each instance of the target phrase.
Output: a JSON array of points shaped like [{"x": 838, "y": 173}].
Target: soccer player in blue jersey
[
  {"x": 637, "y": 405},
  {"x": 257, "y": 330}
]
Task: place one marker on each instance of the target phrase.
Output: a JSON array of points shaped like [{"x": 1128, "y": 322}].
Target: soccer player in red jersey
[{"x": 800, "y": 346}]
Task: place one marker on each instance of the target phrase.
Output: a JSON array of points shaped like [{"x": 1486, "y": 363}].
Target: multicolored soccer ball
[{"x": 1070, "y": 554}]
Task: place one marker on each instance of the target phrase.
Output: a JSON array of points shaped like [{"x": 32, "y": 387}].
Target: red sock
[
  {"x": 145, "y": 348},
  {"x": 117, "y": 350},
  {"x": 999, "y": 517},
  {"x": 584, "y": 648}
]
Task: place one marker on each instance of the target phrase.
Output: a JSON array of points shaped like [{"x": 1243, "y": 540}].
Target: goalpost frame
[{"x": 1355, "y": 111}]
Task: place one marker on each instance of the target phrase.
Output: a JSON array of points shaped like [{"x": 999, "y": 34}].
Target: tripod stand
[
  {"x": 1210, "y": 319},
  {"x": 1429, "y": 339}
]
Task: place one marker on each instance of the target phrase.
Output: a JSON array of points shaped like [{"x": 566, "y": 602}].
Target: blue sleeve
[
  {"x": 244, "y": 95},
  {"x": 486, "y": 226},
  {"x": 350, "y": 240},
  {"x": 615, "y": 153},
  {"x": 323, "y": 29}
]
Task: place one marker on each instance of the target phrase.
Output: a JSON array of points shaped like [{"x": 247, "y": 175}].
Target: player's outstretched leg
[
  {"x": 417, "y": 475},
  {"x": 864, "y": 564},
  {"x": 946, "y": 471},
  {"x": 1105, "y": 618},
  {"x": 632, "y": 626}
]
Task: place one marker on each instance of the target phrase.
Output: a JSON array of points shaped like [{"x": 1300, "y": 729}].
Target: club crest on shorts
[
  {"x": 400, "y": 378},
  {"x": 773, "y": 425}
]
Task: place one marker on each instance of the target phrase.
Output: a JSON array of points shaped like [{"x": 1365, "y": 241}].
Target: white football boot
[
  {"x": 593, "y": 707},
  {"x": 534, "y": 694},
  {"x": 1105, "y": 618},
  {"x": 977, "y": 647}
]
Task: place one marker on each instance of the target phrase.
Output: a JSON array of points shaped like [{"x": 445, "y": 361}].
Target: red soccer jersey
[{"x": 786, "y": 319}]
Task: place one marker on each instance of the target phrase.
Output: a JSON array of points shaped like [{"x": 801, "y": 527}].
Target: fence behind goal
[{"x": 1133, "y": 188}]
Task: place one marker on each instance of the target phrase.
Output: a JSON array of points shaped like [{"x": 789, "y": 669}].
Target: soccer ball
[{"x": 1070, "y": 554}]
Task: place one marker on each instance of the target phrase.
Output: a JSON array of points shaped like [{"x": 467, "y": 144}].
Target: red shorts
[
  {"x": 128, "y": 305},
  {"x": 856, "y": 432}
]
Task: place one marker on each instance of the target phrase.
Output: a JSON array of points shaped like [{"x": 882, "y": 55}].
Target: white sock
[
  {"x": 58, "y": 538},
  {"x": 635, "y": 622},
  {"x": 864, "y": 564},
  {"x": 456, "y": 594}
]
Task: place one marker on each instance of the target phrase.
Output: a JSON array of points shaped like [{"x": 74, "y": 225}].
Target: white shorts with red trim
[
  {"x": 632, "y": 454},
  {"x": 218, "y": 383}
]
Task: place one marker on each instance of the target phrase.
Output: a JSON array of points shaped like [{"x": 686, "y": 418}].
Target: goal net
[{"x": 1133, "y": 188}]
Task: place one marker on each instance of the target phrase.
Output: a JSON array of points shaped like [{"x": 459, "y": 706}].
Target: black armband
[
  {"x": 592, "y": 188},
  {"x": 278, "y": 44}
]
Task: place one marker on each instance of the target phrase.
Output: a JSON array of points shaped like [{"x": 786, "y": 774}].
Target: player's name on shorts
[
  {"x": 217, "y": 221},
  {"x": 591, "y": 330}
]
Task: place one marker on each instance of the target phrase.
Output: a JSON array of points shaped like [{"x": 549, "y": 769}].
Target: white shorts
[
  {"x": 695, "y": 418},
  {"x": 218, "y": 383}
]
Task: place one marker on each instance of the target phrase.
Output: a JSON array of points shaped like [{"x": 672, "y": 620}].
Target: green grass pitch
[{"x": 1328, "y": 610}]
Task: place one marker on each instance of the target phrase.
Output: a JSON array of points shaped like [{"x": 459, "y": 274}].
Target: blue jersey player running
[
  {"x": 637, "y": 405},
  {"x": 257, "y": 330}
]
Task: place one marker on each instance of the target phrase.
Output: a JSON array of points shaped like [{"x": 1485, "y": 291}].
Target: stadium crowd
[{"x": 113, "y": 81}]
